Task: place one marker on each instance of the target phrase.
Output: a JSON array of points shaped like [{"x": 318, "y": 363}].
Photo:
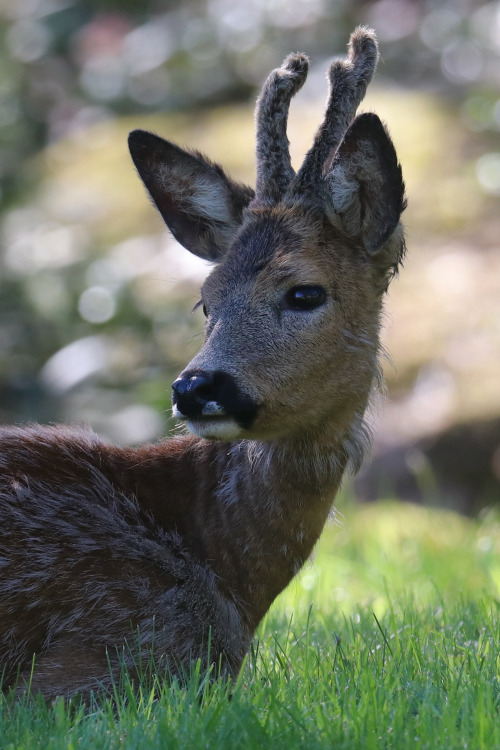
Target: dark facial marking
[{"x": 195, "y": 389}]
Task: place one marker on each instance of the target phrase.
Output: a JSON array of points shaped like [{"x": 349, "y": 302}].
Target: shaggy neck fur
[{"x": 255, "y": 517}]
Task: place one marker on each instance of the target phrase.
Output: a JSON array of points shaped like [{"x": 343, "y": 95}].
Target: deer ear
[
  {"x": 366, "y": 189},
  {"x": 201, "y": 206}
]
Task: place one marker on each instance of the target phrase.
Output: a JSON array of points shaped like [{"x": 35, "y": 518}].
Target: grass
[{"x": 389, "y": 639}]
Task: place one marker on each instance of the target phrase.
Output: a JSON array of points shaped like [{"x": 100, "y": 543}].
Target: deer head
[{"x": 293, "y": 304}]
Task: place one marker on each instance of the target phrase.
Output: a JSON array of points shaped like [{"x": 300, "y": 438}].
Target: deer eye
[
  {"x": 203, "y": 307},
  {"x": 305, "y": 297}
]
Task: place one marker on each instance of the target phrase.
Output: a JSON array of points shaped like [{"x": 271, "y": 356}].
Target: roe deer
[{"x": 188, "y": 541}]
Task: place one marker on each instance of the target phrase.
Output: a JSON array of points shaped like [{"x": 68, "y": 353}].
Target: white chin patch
[{"x": 215, "y": 429}]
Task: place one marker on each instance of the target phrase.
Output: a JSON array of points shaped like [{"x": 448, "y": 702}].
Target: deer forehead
[{"x": 278, "y": 247}]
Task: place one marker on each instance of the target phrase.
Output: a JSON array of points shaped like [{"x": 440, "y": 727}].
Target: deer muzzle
[{"x": 212, "y": 404}]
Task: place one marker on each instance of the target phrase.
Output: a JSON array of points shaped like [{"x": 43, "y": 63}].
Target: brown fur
[{"x": 108, "y": 553}]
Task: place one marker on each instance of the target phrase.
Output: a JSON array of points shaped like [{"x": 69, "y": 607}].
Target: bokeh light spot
[
  {"x": 96, "y": 305},
  {"x": 488, "y": 173}
]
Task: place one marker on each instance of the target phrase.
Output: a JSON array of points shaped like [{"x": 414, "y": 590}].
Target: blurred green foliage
[
  {"x": 94, "y": 322},
  {"x": 67, "y": 63}
]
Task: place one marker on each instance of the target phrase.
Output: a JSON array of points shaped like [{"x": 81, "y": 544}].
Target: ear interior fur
[
  {"x": 202, "y": 207},
  {"x": 365, "y": 187}
]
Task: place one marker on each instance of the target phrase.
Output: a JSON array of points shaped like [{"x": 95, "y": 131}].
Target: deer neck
[
  {"x": 252, "y": 511},
  {"x": 272, "y": 502}
]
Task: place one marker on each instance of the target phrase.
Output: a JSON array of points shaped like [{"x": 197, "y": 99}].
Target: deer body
[{"x": 186, "y": 543}]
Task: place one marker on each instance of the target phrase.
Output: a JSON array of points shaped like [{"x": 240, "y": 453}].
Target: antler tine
[
  {"x": 349, "y": 79},
  {"x": 274, "y": 169}
]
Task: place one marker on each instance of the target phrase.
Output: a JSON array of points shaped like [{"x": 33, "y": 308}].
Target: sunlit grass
[
  {"x": 389, "y": 639},
  {"x": 371, "y": 550}
]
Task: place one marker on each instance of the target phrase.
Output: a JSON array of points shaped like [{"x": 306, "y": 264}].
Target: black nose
[
  {"x": 197, "y": 386},
  {"x": 192, "y": 392},
  {"x": 212, "y": 394}
]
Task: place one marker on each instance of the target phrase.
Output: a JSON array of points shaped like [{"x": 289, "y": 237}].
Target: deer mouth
[
  {"x": 215, "y": 428},
  {"x": 212, "y": 404},
  {"x": 211, "y": 411},
  {"x": 212, "y": 423}
]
